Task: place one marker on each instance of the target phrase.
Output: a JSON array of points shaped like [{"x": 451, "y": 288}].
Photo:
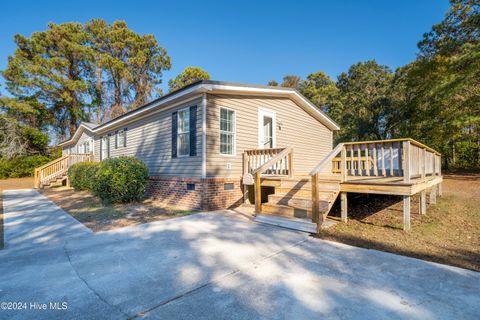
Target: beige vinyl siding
[
  {"x": 149, "y": 139},
  {"x": 311, "y": 140}
]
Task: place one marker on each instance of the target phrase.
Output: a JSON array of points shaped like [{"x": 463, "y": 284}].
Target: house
[
  {"x": 213, "y": 145},
  {"x": 193, "y": 139}
]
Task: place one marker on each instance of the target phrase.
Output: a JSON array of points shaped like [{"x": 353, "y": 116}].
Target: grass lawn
[
  {"x": 90, "y": 211},
  {"x": 449, "y": 233}
]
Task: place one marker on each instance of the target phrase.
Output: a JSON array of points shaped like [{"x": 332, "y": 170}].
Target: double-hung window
[
  {"x": 121, "y": 138},
  {"x": 227, "y": 131},
  {"x": 183, "y": 134},
  {"x": 105, "y": 150},
  {"x": 86, "y": 146}
]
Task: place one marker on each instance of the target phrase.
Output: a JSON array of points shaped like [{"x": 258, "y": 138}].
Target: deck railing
[
  {"x": 405, "y": 158},
  {"x": 58, "y": 167}
]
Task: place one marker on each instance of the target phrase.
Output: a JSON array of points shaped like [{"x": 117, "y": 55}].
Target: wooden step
[
  {"x": 286, "y": 211},
  {"x": 289, "y": 223},
  {"x": 297, "y": 201},
  {"x": 290, "y": 211},
  {"x": 307, "y": 187}
]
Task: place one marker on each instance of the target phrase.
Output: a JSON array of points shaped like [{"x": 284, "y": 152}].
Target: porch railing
[
  {"x": 58, "y": 167},
  {"x": 405, "y": 158},
  {"x": 278, "y": 161},
  {"x": 256, "y": 158}
]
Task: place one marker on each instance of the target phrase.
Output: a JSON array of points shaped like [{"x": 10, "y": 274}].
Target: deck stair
[
  {"x": 292, "y": 201},
  {"x": 54, "y": 172}
]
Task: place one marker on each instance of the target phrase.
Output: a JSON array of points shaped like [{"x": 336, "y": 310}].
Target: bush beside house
[
  {"x": 22, "y": 166},
  {"x": 82, "y": 175},
  {"x": 113, "y": 180}
]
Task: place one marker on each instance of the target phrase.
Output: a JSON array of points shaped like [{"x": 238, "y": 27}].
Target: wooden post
[
  {"x": 344, "y": 206},
  {"x": 440, "y": 191},
  {"x": 433, "y": 195},
  {"x": 290, "y": 164},
  {"x": 384, "y": 171},
  {"x": 392, "y": 172},
  {"x": 258, "y": 193},
  {"x": 367, "y": 162},
  {"x": 406, "y": 161},
  {"x": 423, "y": 159},
  {"x": 315, "y": 200},
  {"x": 406, "y": 213},
  {"x": 343, "y": 164},
  {"x": 359, "y": 160},
  {"x": 36, "y": 180},
  {"x": 422, "y": 206}
]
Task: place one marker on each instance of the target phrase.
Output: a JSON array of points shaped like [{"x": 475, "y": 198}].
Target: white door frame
[{"x": 261, "y": 113}]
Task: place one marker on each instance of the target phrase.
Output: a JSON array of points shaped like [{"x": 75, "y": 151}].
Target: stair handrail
[
  {"x": 327, "y": 160},
  {"x": 272, "y": 161},
  {"x": 53, "y": 162},
  {"x": 257, "y": 173},
  {"x": 67, "y": 159}
]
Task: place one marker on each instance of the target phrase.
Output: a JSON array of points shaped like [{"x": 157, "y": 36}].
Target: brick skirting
[{"x": 209, "y": 193}]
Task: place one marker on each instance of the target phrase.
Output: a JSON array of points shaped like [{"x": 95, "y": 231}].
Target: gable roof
[{"x": 211, "y": 86}]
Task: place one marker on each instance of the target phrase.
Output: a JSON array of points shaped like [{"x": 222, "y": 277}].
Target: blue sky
[{"x": 249, "y": 41}]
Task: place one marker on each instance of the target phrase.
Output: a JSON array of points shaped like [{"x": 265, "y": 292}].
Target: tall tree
[
  {"x": 445, "y": 84},
  {"x": 272, "y": 83},
  {"x": 49, "y": 71},
  {"x": 321, "y": 90},
  {"x": 130, "y": 65},
  {"x": 291, "y": 81},
  {"x": 187, "y": 76},
  {"x": 365, "y": 109}
]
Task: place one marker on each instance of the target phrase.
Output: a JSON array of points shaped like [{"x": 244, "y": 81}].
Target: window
[
  {"x": 228, "y": 186},
  {"x": 121, "y": 138},
  {"x": 86, "y": 146},
  {"x": 227, "y": 131},
  {"x": 190, "y": 186},
  {"x": 183, "y": 135},
  {"x": 105, "y": 152}
]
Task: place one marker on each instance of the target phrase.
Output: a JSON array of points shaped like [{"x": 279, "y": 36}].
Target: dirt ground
[
  {"x": 449, "y": 233},
  {"x": 16, "y": 183},
  {"x": 90, "y": 211}
]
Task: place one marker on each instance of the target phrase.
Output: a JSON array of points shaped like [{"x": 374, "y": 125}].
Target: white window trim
[
  {"x": 121, "y": 143},
  {"x": 266, "y": 112},
  {"x": 107, "y": 138},
  {"x": 234, "y": 132},
  {"x": 178, "y": 133}
]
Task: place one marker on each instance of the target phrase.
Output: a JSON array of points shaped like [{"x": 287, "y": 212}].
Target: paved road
[{"x": 215, "y": 265}]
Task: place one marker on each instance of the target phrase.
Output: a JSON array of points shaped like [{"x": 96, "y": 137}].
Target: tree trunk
[{"x": 99, "y": 93}]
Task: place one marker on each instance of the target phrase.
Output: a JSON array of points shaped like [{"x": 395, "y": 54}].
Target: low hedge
[
  {"x": 82, "y": 175},
  {"x": 23, "y": 166},
  {"x": 121, "y": 179}
]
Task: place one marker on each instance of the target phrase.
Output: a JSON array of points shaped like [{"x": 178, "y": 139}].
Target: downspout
[{"x": 204, "y": 136}]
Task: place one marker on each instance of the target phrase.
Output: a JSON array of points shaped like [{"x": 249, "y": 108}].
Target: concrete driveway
[{"x": 214, "y": 265}]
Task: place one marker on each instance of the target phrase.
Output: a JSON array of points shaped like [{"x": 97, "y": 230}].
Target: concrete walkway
[
  {"x": 221, "y": 265},
  {"x": 33, "y": 220}
]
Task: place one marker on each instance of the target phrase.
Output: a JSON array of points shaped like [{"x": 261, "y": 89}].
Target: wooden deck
[
  {"x": 402, "y": 167},
  {"x": 389, "y": 185}
]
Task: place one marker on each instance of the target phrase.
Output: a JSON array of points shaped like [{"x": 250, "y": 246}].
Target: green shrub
[
  {"x": 5, "y": 168},
  {"x": 23, "y": 166},
  {"x": 82, "y": 175},
  {"x": 121, "y": 179}
]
